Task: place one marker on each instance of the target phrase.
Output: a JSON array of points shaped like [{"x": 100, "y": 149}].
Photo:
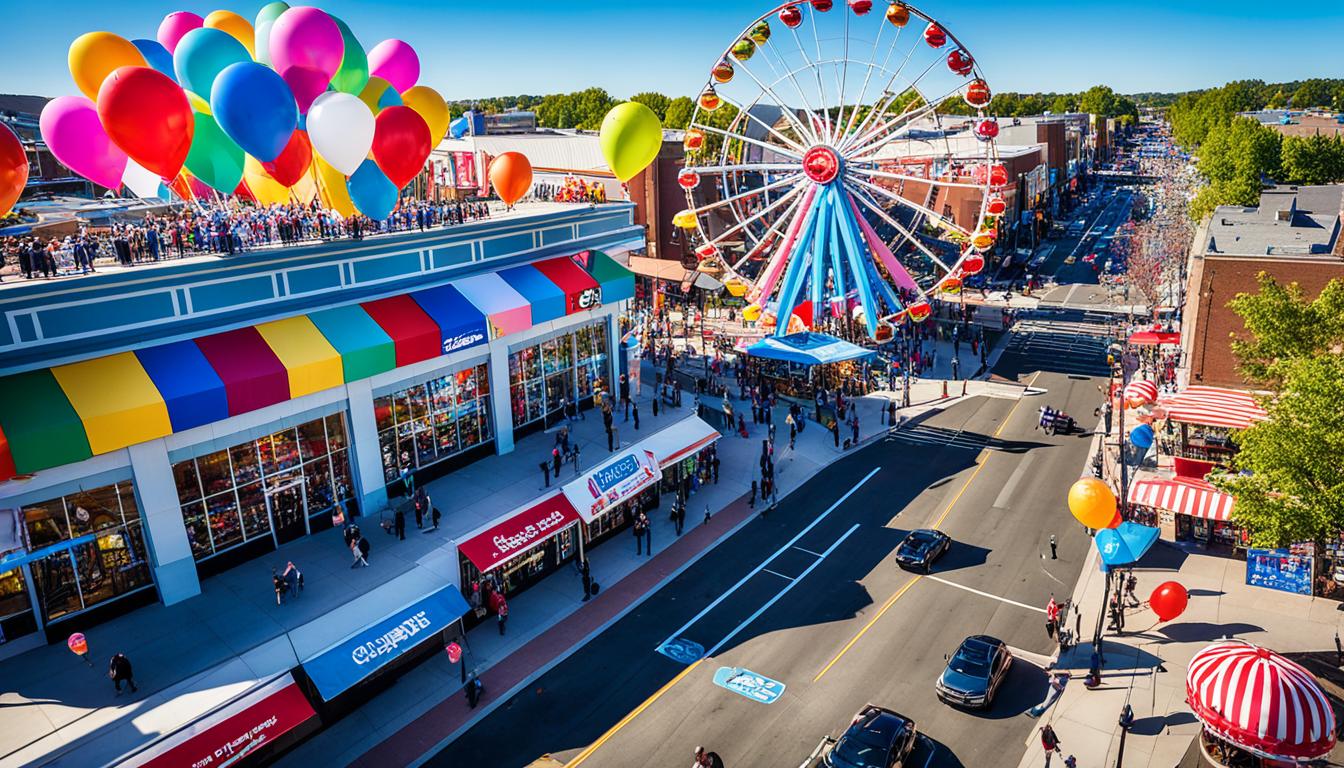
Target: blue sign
[
  {"x": 606, "y": 477},
  {"x": 744, "y": 682},
  {"x": 340, "y": 667},
  {"x": 681, "y": 650},
  {"x": 1279, "y": 569}
]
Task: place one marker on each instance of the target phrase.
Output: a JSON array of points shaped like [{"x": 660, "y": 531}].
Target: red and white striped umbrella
[
  {"x": 1140, "y": 392},
  {"x": 1260, "y": 701}
]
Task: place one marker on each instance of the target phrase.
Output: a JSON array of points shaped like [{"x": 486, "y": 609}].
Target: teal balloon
[
  {"x": 202, "y": 54},
  {"x": 271, "y": 12},
  {"x": 255, "y": 108},
  {"x": 390, "y": 98},
  {"x": 371, "y": 191},
  {"x": 354, "y": 72},
  {"x": 214, "y": 158}
]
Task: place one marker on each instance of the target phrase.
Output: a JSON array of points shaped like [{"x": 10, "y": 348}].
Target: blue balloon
[
  {"x": 202, "y": 54},
  {"x": 255, "y": 108},
  {"x": 371, "y": 191},
  {"x": 157, "y": 56},
  {"x": 1142, "y": 436}
]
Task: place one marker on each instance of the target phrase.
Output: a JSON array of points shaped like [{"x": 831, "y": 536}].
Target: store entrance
[{"x": 287, "y": 505}]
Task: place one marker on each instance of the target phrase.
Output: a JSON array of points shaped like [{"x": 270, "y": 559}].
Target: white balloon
[
  {"x": 341, "y": 128},
  {"x": 144, "y": 183},
  {"x": 261, "y": 42}
]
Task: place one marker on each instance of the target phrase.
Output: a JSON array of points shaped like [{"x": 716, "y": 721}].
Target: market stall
[
  {"x": 513, "y": 552},
  {"x": 798, "y": 364},
  {"x": 1202, "y": 420},
  {"x": 1187, "y": 509}
]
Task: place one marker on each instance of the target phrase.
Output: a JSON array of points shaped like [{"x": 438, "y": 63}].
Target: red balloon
[
  {"x": 293, "y": 161},
  {"x": 1116, "y": 521},
  {"x": 13, "y": 169},
  {"x": 243, "y": 193},
  {"x": 1169, "y": 600},
  {"x": 147, "y": 114},
  {"x": 401, "y": 143}
]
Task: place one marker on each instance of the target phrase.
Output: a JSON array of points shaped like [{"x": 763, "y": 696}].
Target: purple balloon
[
  {"x": 306, "y": 49},
  {"x": 73, "y": 133},
  {"x": 174, "y": 26},
  {"x": 396, "y": 62}
]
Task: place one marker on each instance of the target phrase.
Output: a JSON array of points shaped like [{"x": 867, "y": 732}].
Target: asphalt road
[
  {"x": 810, "y": 597},
  {"x": 1102, "y": 219}
]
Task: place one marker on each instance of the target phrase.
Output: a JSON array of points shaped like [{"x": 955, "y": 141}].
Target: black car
[
  {"x": 878, "y": 738},
  {"x": 974, "y": 672},
  {"x": 920, "y": 548}
]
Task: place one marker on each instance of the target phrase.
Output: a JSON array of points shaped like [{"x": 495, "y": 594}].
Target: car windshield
[
  {"x": 972, "y": 666},
  {"x": 918, "y": 542},
  {"x": 859, "y": 753}
]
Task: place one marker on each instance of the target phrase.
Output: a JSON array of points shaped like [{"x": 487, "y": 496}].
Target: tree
[
  {"x": 1062, "y": 104},
  {"x": 1315, "y": 159},
  {"x": 1313, "y": 93},
  {"x": 1283, "y": 325},
  {"x": 654, "y": 101},
  {"x": 678, "y": 113},
  {"x": 1234, "y": 158}
]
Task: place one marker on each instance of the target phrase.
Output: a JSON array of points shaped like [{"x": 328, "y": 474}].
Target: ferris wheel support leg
[
  {"x": 848, "y": 232},
  {"x": 775, "y": 267}
]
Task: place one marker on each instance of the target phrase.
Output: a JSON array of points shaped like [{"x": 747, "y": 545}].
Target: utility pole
[{"x": 1126, "y": 722}]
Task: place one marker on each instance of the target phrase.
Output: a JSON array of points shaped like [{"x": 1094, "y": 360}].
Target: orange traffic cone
[{"x": 944, "y": 387}]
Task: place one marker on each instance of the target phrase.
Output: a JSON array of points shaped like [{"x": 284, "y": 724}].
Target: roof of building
[
  {"x": 22, "y": 104},
  {"x": 1290, "y": 221},
  {"x": 546, "y": 149}
]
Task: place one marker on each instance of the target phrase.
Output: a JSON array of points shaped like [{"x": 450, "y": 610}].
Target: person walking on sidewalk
[
  {"x": 119, "y": 669},
  {"x": 638, "y": 530},
  {"x": 625, "y": 395},
  {"x": 545, "y": 467},
  {"x": 278, "y": 582},
  {"x": 418, "y": 501},
  {"x": 647, "y": 528},
  {"x": 361, "y": 549},
  {"x": 635, "y": 406},
  {"x": 714, "y": 467},
  {"x": 556, "y": 461},
  {"x": 399, "y": 522},
  {"x": 1054, "y": 551},
  {"x": 502, "y": 611},
  {"x": 679, "y": 515},
  {"x": 1049, "y": 742},
  {"x": 587, "y": 580},
  {"x": 751, "y": 500}
]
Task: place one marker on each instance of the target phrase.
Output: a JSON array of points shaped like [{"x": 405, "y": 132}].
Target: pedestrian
[
  {"x": 610, "y": 438},
  {"x": 835, "y": 431},
  {"x": 434, "y": 516},
  {"x": 638, "y": 529},
  {"x": 1051, "y": 617},
  {"x": 293, "y": 578},
  {"x": 399, "y": 522},
  {"x": 502, "y": 612},
  {"x": 1054, "y": 551},
  {"x": 625, "y": 395},
  {"x": 587, "y": 580},
  {"x": 1131, "y": 584},
  {"x": 474, "y": 690},
  {"x": 119, "y": 669},
  {"x": 278, "y": 582},
  {"x": 556, "y": 461},
  {"x": 679, "y": 515},
  {"x": 854, "y": 429},
  {"x": 635, "y": 406},
  {"x": 362, "y": 548},
  {"x": 707, "y": 514},
  {"x": 574, "y": 458},
  {"x": 655, "y": 405},
  {"x": 546, "y": 467},
  {"x": 751, "y": 500},
  {"x": 648, "y": 534},
  {"x": 714, "y": 467},
  {"x": 1049, "y": 742}
]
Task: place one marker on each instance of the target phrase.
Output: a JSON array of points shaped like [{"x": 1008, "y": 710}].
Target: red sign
[
  {"x": 464, "y": 163},
  {"x": 454, "y": 652},
  {"x": 228, "y": 736},
  {"x": 522, "y": 531}
]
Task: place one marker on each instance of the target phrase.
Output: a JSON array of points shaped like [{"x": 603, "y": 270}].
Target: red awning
[
  {"x": 581, "y": 289},
  {"x": 253, "y": 376},
  {"x": 1186, "y": 495},
  {"x": 1213, "y": 407},
  {"x": 415, "y": 336},
  {"x": 519, "y": 532},
  {"x": 1154, "y": 338}
]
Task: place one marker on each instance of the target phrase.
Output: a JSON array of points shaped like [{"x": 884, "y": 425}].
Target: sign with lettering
[
  {"x": 340, "y": 667},
  {"x": 1279, "y": 569},
  {"x": 521, "y": 531},
  {"x": 744, "y": 682},
  {"x": 613, "y": 482}
]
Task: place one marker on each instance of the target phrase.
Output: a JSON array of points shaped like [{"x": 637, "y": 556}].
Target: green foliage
[
  {"x": 581, "y": 109},
  {"x": 1234, "y": 158},
  {"x": 1285, "y": 325},
  {"x": 1313, "y": 159},
  {"x": 654, "y": 101},
  {"x": 679, "y": 112}
]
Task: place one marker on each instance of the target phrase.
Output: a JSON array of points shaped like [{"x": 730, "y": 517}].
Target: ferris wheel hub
[{"x": 821, "y": 164}]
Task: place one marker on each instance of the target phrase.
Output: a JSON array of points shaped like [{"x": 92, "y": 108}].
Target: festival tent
[{"x": 809, "y": 348}]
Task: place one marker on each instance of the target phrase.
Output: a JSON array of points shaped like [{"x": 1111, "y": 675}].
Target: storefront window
[
  {"x": 432, "y": 421},
  {"x": 13, "y": 593},
  {"x": 241, "y": 488},
  {"x": 559, "y": 369},
  {"x": 110, "y": 562}
]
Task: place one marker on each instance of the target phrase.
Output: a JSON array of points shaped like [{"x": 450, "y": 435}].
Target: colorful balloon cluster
[{"x": 288, "y": 108}]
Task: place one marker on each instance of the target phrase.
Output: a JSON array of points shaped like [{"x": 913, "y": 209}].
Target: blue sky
[{"x": 477, "y": 48}]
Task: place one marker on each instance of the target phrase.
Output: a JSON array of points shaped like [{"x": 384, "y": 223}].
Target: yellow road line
[
  {"x": 587, "y": 753},
  {"x": 984, "y": 458}
]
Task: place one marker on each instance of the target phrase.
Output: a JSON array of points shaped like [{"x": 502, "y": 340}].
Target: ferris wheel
[{"x": 825, "y": 176}]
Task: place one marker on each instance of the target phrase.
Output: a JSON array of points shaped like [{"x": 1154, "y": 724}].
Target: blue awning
[
  {"x": 461, "y": 324},
  {"x": 1124, "y": 544},
  {"x": 190, "y": 388},
  {"x": 546, "y": 298},
  {"x": 808, "y": 349}
]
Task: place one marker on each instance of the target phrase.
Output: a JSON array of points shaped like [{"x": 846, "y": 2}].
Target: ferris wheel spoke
[
  {"x": 868, "y": 76},
  {"x": 912, "y": 205},
  {"x": 753, "y": 192},
  {"x": 748, "y": 140},
  {"x": 917, "y": 109},
  {"x": 741, "y": 225},
  {"x": 883, "y": 129},
  {"x": 882, "y": 134},
  {"x": 903, "y": 177},
  {"x": 844, "y": 82},
  {"x": 791, "y": 74},
  {"x": 706, "y": 170},
  {"x": 784, "y": 107},
  {"x": 773, "y": 228},
  {"x": 746, "y": 111},
  {"x": 815, "y": 66},
  {"x": 868, "y": 203}
]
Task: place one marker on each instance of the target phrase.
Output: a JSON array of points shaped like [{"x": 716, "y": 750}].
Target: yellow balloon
[
  {"x": 430, "y": 105},
  {"x": 379, "y": 94},
  {"x": 331, "y": 189},
  {"x": 94, "y": 55},
  {"x": 304, "y": 190},
  {"x": 630, "y": 138},
  {"x": 236, "y": 26},
  {"x": 198, "y": 104},
  {"x": 267, "y": 190},
  {"x": 1092, "y": 502}
]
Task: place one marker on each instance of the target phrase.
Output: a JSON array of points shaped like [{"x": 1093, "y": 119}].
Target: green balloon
[
  {"x": 214, "y": 158},
  {"x": 271, "y": 12},
  {"x": 354, "y": 72},
  {"x": 630, "y": 139}
]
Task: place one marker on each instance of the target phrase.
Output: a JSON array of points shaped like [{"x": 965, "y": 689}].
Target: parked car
[
  {"x": 974, "y": 673},
  {"x": 920, "y": 548},
  {"x": 878, "y": 738}
]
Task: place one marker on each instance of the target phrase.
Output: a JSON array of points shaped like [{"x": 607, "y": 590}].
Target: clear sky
[{"x": 478, "y": 48}]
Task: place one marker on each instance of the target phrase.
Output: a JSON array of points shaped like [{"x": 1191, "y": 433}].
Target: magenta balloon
[
  {"x": 306, "y": 49},
  {"x": 73, "y": 133},
  {"x": 396, "y": 62},
  {"x": 175, "y": 25}
]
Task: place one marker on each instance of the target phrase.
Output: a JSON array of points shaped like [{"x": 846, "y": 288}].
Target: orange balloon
[
  {"x": 511, "y": 176},
  {"x": 13, "y": 169},
  {"x": 1092, "y": 502},
  {"x": 235, "y": 26}
]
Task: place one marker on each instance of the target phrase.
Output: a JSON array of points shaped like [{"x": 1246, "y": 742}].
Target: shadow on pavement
[
  {"x": 930, "y": 752},
  {"x": 961, "y": 555},
  {"x": 1023, "y": 689},
  {"x": 1152, "y": 726},
  {"x": 1194, "y": 631}
]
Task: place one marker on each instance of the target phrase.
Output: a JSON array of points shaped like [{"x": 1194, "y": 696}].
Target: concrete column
[
  {"x": 614, "y": 349},
  {"x": 367, "y": 457},
  {"x": 501, "y": 408},
  {"x": 165, "y": 531}
]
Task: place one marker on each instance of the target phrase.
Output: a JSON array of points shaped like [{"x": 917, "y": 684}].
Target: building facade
[{"x": 162, "y": 424}]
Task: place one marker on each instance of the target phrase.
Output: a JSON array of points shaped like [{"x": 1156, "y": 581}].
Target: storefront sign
[
  {"x": 520, "y": 531},
  {"x": 1279, "y": 569},
  {"x": 613, "y": 483},
  {"x": 228, "y": 736},
  {"x": 462, "y": 341},
  {"x": 339, "y": 668}
]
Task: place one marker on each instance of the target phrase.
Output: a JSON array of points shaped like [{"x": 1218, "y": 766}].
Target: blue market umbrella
[{"x": 1124, "y": 544}]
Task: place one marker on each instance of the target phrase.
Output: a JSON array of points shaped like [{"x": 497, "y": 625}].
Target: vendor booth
[
  {"x": 519, "y": 549},
  {"x": 1187, "y": 509},
  {"x": 1203, "y": 419},
  {"x": 798, "y": 364}
]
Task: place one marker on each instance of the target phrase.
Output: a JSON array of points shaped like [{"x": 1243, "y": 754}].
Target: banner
[
  {"x": 1279, "y": 569},
  {"x": 613, "y": 482},
  {"x": 464, "y": 168}
]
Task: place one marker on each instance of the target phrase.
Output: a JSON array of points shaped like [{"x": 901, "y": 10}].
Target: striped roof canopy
[{"x": 1214, "y": 407}]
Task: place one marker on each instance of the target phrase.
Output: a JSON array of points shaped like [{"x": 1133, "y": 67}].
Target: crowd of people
[{"x": 222, "y": 228}]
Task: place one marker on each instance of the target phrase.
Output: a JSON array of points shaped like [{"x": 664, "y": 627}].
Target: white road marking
[
  {"x": 777, "y": 573},
  {"x": 808, "y": 551},
  {"x": 985, "y": 594},
  {"x": 767, "y": 561},
  {"x": 1001, "y": 501}
]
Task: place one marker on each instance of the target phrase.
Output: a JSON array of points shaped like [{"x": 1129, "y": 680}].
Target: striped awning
[
  {"x": 1184, "y": 495},
  {"x": 65, "y": 414},
  {"x": 1140, "y": 391},
  {"x": 1213, "y": 407}
]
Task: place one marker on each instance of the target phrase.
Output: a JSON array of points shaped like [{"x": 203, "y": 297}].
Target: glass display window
[
  {"x": 569, "y": 366},
  {"x": 440, "y": 420}
]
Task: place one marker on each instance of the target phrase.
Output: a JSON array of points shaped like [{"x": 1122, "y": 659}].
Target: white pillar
[
  {"x": 614, "y": 349},
  {"x": 161, "y": 513},
  {"x": 367, "y": 456},
  {"x": 501, "y": 406}
]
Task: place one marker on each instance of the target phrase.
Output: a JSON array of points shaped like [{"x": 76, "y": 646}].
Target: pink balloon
[
  {"x": 306, "y": 49},
  {"x": 396, "y": 62},
  {"x": 74, "y": 135},
  {"x": 175, "y": 25}
]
